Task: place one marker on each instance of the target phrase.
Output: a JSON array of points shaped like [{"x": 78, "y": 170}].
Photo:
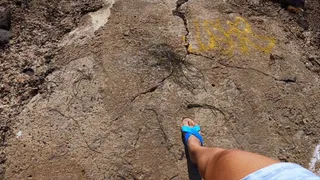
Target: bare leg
[{"x": 218, "y": 163}]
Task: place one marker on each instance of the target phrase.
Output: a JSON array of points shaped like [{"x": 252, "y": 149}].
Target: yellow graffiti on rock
[{"x": 238, "y": 36}]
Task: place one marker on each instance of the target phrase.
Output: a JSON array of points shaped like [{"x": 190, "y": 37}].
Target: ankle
[{"x": 194, "y": 147}]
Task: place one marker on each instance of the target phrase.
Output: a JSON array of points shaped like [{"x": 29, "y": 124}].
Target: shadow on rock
[
  {"x": 5, "y": 24},
  {"x": 193, "y": 171},
  {"x": 180, "y": 70}
]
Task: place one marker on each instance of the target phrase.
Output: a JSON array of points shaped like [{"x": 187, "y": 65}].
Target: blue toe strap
[{"x": 189, "y": 131}]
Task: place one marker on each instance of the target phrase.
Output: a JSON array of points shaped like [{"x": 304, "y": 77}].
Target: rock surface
[
  {"x": 5, "y": 23},
  {"x": 5, "y": 18},
  {"x": 113, "y": 92},
  {"x": 4, "y": 36}
]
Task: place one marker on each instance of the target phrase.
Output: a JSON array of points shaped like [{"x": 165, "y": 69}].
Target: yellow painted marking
[
  {"x": 183, "y": 39},
  {"x": 237, "y": 35}
]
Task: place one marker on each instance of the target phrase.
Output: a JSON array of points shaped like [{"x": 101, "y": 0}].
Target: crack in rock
[
  {"x": 79, "y": 129},
  {"x": 153, "y": 88},
  {"x": 205, "y": 106},
  {"x": 285, "y": 80},
  {"x": 179, "y": 13},
  {"x": 168, "y": 144}
]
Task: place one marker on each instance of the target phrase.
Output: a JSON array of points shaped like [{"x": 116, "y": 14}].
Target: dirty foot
[{"x": 193, "y": 142}]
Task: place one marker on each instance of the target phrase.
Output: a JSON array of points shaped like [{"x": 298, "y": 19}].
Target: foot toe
[{"x": 188, "y": 122}]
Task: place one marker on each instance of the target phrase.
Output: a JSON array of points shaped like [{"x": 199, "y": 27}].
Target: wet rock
[
  {"x": 5, "y": 18},
  {"x": 4, "y": 36}
]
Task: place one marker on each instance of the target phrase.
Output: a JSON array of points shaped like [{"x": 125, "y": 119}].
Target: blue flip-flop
[{"x": 189, "y": 131}]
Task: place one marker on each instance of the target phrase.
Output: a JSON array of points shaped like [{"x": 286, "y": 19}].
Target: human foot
[{"x": 192, "y": 142}]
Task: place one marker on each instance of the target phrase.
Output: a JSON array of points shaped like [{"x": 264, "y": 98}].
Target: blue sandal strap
[{"x": 189, "y": 131}]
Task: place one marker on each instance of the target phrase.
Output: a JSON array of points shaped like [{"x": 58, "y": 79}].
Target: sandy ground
[{"x": 97, "y": 89}]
